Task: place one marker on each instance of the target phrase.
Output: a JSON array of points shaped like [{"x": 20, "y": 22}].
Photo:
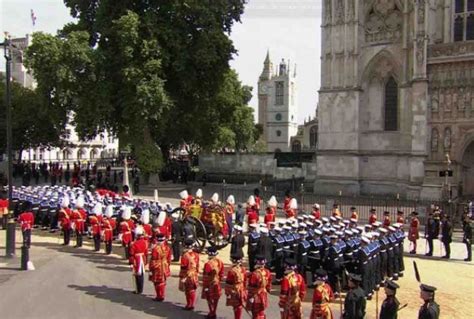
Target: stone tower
[{"x": 277, "y": 105}]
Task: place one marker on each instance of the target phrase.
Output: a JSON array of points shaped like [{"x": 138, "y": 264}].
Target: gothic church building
[{"x": 396, "y": 98}]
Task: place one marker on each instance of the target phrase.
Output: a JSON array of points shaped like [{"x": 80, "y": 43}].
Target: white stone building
[
  {"x": 277, "y": 105},
  {"x": 102, "y": 146},
  {"x": 397, "y": 95}
]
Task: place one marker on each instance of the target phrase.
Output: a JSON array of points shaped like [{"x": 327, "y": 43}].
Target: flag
[{"x": 33, "y": 17}]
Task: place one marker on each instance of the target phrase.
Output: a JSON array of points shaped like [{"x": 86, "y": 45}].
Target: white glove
[{"x": 251, "y": 300}]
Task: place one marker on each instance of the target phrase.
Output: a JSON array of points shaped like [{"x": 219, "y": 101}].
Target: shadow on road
[{"x": 137, "y": 302}]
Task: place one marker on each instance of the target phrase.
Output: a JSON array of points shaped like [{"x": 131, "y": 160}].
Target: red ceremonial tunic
[
  {"x": 292, "y": 293},
  {"x": 290, "y": 213},
  {"x": 108, "y": 225},
  {"x": 160, "y": 263},
  {"x": 235, "y": 289},
  {"x": 317, "y": 213},
  {"x": 413, "y": 232},
  {"x": 78, "y": 219},
  {"x": 147, "y": 231},
  {"x": 252, "y": 215},
  {"x": 65, "y": 218},
  {"x": 96, "y": 223},
  {"x": 286, "y": 203},
  {"x": 229, "y": 211},
  {"x": 212, "y": 275},
  {"x": 260, "y": 283},
  {"x": 26, "y": 220},
  {"x": 3, "y": 207},
  {"x": 355, "y": 216},
  {"x": 321, "y": 300},
  {"x": 139, "y": 256},
  {"x": 164, "y": 229},
  {"x": 188, "y": 274},
  {"x": 372, "y": 218},
  {"x": 269, "y": 216},
  {"x": 258, "y": 202},
  {"x": 336, "y": 212},
  {"x": 400, "y": 220},
  {"x": 126, "y": 228},
  {"x": 386, "y": 221}
]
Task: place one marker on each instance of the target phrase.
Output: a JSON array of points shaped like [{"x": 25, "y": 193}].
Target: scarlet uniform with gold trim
[
  {"x": 269, "y": 215},
  {"x": 386, "y": 221},
  {"x": 372, "y": 218},
  {"x": 26, "y": 220},
  {"x": 355, "y": 215},
  {"x": 252, "y": 215},
  {"x": 413, "y": 231},
  {"x": 188, "y": 276},
  {"x": 160, "y": 268},
  {"x": 165, "y": 229},
  {"x": 147, "y": 231},
  {"x": 316, "y": 213},
  {"x": 322, "y": 296},
  {"x": 139, "y": 256},
  {"x": 183, "y": 203},
  {"x": 258, "y": 202},
  {"x": 290, "y": 213},
  {"x": 212, "y": 275},
  {"x": 65, "y": 218},
  {"x": 96, "y": 224},
  {"x": 126, "y": 228},
  {"x": 108, "y": 226},
  {"x": 260, "y": 283},
  {"x": 79, "y": 217},
  {"x": 286, "y": 203},
  {"x": 400, "y": 220},
  {"x": 236, "y": 289},
  {"x": 292, "y": 293}
]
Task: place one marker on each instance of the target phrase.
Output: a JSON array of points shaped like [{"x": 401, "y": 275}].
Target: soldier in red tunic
[
  {"x": 292, "y": 210},
  {"x": 400, "y": 218},
  {"x": 108, "y": 226},
  {"x": 212, "y": 275},
  {"x": 336, "y": 211},
  {"x": 64, "y": 218},
  {"x": 186, "y": 199},
  {"x": 413, "y": 231},
  {"x": 138, "y": 259},
  {"x": 292, "y": 293},
  {"x": 78, "y": 217},
  {"x": 163, "y": 225},
  {"x": 322, "y": 296},
  {"x": 270, "y": 212},
  {"x": 260, "y": 283},
  {"x": 145, "y": 222},
  {"x": 126, "y": 227},
  {"x": 251, "y": 210},
  {"x": 316, "y": 211},
  {"x": 95, "y": 220},
  {"x": 236, "y": 286},
  {"x": 229, "y": 212},
  {"x": 188, "y": 275},
  {"x": 373, "y": 216},
  {"x": 160, "y": 266},
  {"x": 286, "y": 202},
  {"x": 354, "y": 214},
  {"x": 26, "y": 220},
  {"x": 386, "y": 219}
]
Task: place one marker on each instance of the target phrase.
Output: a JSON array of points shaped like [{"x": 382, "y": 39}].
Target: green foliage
[
  {"x": 225, "y": 139},
  {"x": 33, "y": 124},
  {"x": 259, "y": 147},
  {"x": 149, "y": 158}
]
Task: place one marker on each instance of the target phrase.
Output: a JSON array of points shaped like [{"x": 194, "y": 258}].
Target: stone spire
[{"x": 267, "y": 72}]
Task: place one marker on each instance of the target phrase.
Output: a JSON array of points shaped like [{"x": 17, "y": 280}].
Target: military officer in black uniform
[
  {"x": 467, "y": 237},
  {"x": 354, "y": 304},
  {"x": 430, "y": 309},
  {"x": 390, "y": 304},
  {"x": 447, "y": 234},
  {"x": 265, "y": 247},
  {"x": 430, "y": 233},
  {"x": 237, "y": 242}
]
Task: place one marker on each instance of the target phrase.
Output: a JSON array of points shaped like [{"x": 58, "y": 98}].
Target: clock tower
[{"x": 277, "y": 105}]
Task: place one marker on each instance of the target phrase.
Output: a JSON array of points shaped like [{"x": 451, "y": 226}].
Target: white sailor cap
[
  {"x": 383, "y": 230},
  {"x": 365, "y": 240},
  {"x": 317, "y": 231}
]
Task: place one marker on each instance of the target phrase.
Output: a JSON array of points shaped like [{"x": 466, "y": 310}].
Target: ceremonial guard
[
  {"x": 212, "y": 275},
  {"x": 292, "y": 210},
  {"x": 372, "y": 216},
  {"x": 160, "y": 266},
  {"x": 400, "y": 218},
  {"x": 430, "y": 233},
  {"x": 252, "y": 251},
  {"x": 236, "y": 286},
  {"x": 126, "y": 227},
  {"x": 163, "y": 225},
  {"x": 251, "y": 210},
  {"x": 188, "y": 275},
  {"x": 185, "y": 199},
  {"x": 26, "y": 220},
  {"x": 230, "y": 212},
  {"x": 260, "y": 283},
  {"x": 145, "y": 223},
  {"x": 316, "y": 211},
  {"x": 354, "y": 214},
  {"x": 95, "y": 220},
  {"x": 64, "y": 218},
  {"x": 270, "y": 212},
  {"x": 108, "y": 227},
  {"x": 390, "y": 304},
  {"x": 430, "y": 309},
  {"x": 335, "y": 211},
  {"x": 198, "y": 199},
  {"x": 79, "y": 216},
  {"x": 413, "y": 231},
  {"x": 258, "y": 199},
  {"x": 467, "y": 236},
  {"x": 287, "y": 200},
  {"x": 322, "y": 296},
  {"x": 292, "y": 293},
  {"x": 447, "y": 234},
  {"x": 386, "y": 219},
  {"x": 139, "y": 259},
  {"x": 354, "y": 304},
  {"x": 176, "y": 236},
  {"x": 237, "y": 242}
]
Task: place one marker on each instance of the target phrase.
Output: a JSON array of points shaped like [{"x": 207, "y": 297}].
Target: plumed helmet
[
  {"x": 80, "y": 202},
  {"x": 65, "y": 201},
  {"x": 183, "y": 194},
  {"x": 272, "y": 202},
  {"x": 126, "y": 213},
  {"x": 97, "y": 209},
  {"x": 251, "y": 200},
  {"x": 145, "y": 218},
  {"x": 316, "y": 205},
  {"x": 139, "y": 230},
  {"x": 231, "y": 200},
  {"x": 215, "y": 198},
  {"x": 109, "y": 211},
  {"x": 160, "y": 220},
  {"x": 293, "y": 203},
  {"x": 199, "y": 193}
]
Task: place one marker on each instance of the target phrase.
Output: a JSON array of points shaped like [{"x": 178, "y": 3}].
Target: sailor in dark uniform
[
  {"x": 430, "y": 309},
  {"x": 252, "y": 251},
  {"x": 384, "y": 243},
  {"x": 265, "y": 247},
  {"x": 390, "y": 304},
  {"x": 354, "y": 304},
  {"x": 333, "y": 264},
  {"x": 400, "y": 238},
  {"x": 315, "y": 252},
  {"x": 278, "y": 254},
  {"x": 363, "y": 266},
  {"x": 302, "y": 256}
]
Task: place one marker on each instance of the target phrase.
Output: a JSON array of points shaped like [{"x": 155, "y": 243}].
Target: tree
[{"x": 33, "y": 123}]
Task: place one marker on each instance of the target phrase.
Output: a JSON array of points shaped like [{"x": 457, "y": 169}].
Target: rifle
[
  {"x": 402, "y": 307},
  {"x": 417, "y": 273}
]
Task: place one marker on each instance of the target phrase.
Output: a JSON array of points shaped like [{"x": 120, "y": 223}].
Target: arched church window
[
  {"x": 463, "y": 20},
  {"x": 470, "y": 26},
  {"x": 278, "y": 133},
  {"x": 279, "y": 93},
  {"x": 458, "y": 28},
  {"x": 391, "y": 105},
  {"x": 459, "y": 7},
  {"x": 447, "y": 139},
  {"x": 278, "y": 117},
  {"x": 296, "y": 147},
  {"x": 434, "y": 140},
  {"x": 313, "y": 136}
]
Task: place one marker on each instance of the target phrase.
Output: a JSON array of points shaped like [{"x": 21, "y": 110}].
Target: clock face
[{"x": 264, "y": 88}]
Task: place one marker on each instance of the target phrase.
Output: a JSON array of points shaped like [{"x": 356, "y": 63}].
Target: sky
[{"x": 289, "y": 29}]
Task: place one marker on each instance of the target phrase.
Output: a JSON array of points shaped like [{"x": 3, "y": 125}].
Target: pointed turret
[{"x": 267, "y": 72}]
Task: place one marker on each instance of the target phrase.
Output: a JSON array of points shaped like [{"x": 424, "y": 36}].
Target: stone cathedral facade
[{"x": 396, "y": 97}]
